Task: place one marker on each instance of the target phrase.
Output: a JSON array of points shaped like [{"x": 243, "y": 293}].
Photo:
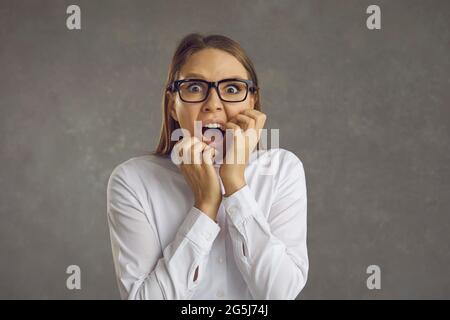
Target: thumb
[{"x": 208, "y": 155}]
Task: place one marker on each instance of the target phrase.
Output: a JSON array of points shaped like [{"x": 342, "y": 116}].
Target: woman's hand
[
  {"x": 246, "y": 127},
  {"x": 198, "y": 170}
]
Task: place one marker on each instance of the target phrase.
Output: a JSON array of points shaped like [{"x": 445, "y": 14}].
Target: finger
[
  {"x": 236, "y": 136},
  {"x": 258, "y": 116},
  {"x": 233, "y": 126},
  {"x": 232, "y": 130},
  {"x": 235, "y": 121},
  {"x": 248, "y": 122},
  {"x": 196, "y": 151},
  {"x": 185, "y": 148},
  {"x": 208, "y": 155},
  {"x": 259, "y": 120},
  {"x": 186, "y": 142},
  {"x": 184, "y": 145},
  {"x": 178, "y": 150}
]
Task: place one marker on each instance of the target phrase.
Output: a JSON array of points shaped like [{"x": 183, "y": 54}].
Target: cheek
[
  {"x": 233, "y": 110},
  {"x": 186, "y": 116}
]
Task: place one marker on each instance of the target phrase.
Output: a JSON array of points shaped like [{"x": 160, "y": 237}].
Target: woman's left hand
[{"x": 246, "y": 127}]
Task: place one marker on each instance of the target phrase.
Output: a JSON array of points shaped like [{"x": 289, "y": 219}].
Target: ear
[{"x": 170, "y": 106}]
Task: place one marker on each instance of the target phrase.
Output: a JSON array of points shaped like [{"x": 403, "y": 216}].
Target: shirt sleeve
[
  {"x": 271, "y": 254},
  {"x": 144, "y": 270}
]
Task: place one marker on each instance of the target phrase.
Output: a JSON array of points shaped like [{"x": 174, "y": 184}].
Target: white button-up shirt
[{"x": 256, "y": 248}]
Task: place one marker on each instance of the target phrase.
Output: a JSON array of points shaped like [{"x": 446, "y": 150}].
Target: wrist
[
  {"x": 210, "y": 209},
  {"x": 231, "y": 174},
  {"x": 233, "y": 185}
]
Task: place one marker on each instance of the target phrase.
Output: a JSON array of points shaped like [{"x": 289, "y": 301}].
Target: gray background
[{"x": 366, "y": 111}]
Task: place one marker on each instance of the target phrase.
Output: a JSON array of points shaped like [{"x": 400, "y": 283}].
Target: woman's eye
[
  {"x": 231, "y": 89},
  {"x": 195, "y": 88}
]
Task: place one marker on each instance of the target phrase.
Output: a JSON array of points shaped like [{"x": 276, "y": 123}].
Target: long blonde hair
[{"x": 189, "y": 45}]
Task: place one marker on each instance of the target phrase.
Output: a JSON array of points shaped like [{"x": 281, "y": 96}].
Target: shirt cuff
[
  {"x": 200, "y": 229},
  {"x": 241, "y": 205}
]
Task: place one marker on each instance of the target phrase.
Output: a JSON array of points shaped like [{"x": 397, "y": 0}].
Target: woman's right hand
[{"x": 199, "y": 172}]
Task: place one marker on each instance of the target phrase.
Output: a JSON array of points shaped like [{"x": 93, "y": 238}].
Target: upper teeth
[{"x": 212, "y": 125}]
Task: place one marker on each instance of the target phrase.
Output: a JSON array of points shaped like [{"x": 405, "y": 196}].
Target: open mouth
[{"x": 213, "y": 131}]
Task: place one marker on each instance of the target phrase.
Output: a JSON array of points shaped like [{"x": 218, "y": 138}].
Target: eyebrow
[{"x": 197, "y": 75}]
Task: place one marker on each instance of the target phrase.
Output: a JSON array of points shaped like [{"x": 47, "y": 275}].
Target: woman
[{"x": 218, "y": 228}]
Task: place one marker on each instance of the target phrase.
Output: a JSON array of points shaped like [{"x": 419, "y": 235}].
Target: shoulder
[
  {"x": 136, "y": 168},
  {"x": 285, "y": 170},
  {"x": 277, "y": 160}
]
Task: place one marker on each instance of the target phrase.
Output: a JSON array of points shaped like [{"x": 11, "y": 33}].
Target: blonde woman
[{"x": 212, "y": 229}]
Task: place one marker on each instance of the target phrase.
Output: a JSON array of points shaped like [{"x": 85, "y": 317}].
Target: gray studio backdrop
[{"x": 367, "y": 111}]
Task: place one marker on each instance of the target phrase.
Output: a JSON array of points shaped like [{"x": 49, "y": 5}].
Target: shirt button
[
  {"x": 220, "y": 260},
  {"x": 220, "y": 294}
]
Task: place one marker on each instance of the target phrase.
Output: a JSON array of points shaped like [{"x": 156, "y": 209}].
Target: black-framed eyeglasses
[{"x": 197, "y": 90}]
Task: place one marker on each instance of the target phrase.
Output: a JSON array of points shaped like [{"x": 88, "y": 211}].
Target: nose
[{"x": 213, "y": 102}]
